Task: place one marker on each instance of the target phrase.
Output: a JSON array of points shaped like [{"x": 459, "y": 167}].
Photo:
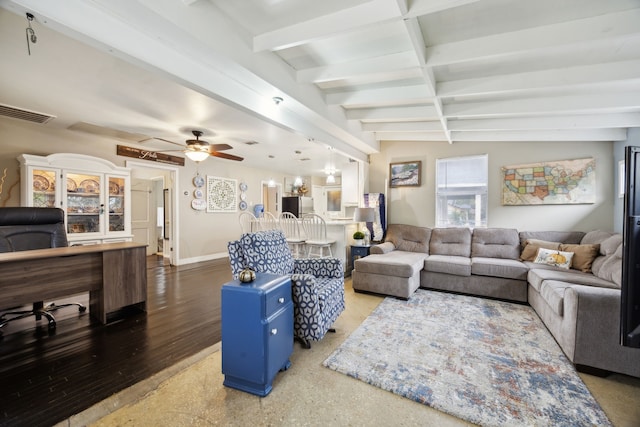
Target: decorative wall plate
[
  {"x": 243, "y": 196},
  {"x": 243, "y": 186},
  {"x": 90, "y": 186},
  {"x": 198, "y": 181},
  {"x": 71, "y": 185},
  {"x": 199, "y": 204},
  {"x": 243, "y": 205},
  {"x": 113, "y": 188},
  {"x": 40, "y": 183},
  {"x": 198, "y": 193}
]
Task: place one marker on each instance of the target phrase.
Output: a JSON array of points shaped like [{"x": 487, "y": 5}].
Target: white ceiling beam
[
  {"x": 382, "y": 96},
  {"x": 543, "y": 135},
  {"x": 411, "y": 136},
  {"x": 377, "y": 65},
  {"x": 425, "y": 7},
  {"x": 546, "y": 79},
  {"x": 345, "y": 20},
  {"x": 572, "y": 122},
  {"x": 164, "y": 47},
  {"x": 594, "y": 103},
  {"x": 586, "y": 30},
  {"x": 424, "y": 112},
  {"x": 418, "y": 126}
]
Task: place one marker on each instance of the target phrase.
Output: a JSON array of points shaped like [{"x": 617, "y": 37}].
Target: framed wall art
[
  {"x": 221, "y": 194},
  {"x": 559, "y": 182},
  {"x": 405, "y": 174}
]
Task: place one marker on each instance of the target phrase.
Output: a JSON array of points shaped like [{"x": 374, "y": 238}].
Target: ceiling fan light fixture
[{"x": 196, "y": 155}]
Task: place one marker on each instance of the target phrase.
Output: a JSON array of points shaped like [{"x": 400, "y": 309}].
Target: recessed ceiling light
[{"x": 277, "y": 100}]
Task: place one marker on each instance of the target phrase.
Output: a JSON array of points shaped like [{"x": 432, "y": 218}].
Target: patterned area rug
[{"x": 488, "y": 362}]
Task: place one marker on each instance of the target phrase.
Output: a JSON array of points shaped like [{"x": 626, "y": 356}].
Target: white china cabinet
[{"x": 94, "y": 193}]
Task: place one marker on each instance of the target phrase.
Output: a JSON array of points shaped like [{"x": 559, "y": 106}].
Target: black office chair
[{"x": 23, "y": 229}]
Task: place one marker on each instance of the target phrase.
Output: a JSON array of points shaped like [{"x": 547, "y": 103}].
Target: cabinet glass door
[
  {"x": 44, "y": 188},
  {"x": 116, "y": 204},
  {"x": 84, "y": 203}
]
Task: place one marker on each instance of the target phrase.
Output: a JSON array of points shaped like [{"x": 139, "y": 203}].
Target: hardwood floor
[{"x": 45, "y": 378}]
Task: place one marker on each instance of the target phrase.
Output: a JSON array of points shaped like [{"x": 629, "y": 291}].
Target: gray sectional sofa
[{"x": 579, "y": 305}]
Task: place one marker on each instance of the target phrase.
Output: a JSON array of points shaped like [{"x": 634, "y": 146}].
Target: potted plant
[{"x": 358, "y": 238}]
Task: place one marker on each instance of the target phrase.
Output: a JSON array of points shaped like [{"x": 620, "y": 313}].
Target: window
[{"x": 461, "y": 192}]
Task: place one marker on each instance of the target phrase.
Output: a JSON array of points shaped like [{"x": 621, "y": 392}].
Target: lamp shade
[{"x": 364, "y": 215}]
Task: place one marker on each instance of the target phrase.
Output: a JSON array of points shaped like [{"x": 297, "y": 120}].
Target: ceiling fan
[{"x": 199, "y": 150}]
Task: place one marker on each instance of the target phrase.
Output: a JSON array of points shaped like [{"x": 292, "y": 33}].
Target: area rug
[{"x": 488, "y": 362}]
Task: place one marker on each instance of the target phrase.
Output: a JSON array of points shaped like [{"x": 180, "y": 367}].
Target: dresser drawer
[{"x": 276, "y": 299}]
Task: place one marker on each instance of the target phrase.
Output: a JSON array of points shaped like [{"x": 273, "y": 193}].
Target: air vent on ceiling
[
  {"x": 305, "y": 159},
  {"x": 21, "y": 114},
  {"x": 252, "y": 143}
]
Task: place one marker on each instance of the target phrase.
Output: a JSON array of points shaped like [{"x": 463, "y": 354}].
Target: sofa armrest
[
  {"x": 319, "y": 267},
  {"x": 382, "y": 248},
  {"x": 597, "y": 333}
]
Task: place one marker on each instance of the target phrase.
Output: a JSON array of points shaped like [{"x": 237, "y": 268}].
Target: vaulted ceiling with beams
[{"x": 354, "y": 73}]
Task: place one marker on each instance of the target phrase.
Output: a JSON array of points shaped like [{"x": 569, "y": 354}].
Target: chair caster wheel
[{"x": 82, "y": 309}]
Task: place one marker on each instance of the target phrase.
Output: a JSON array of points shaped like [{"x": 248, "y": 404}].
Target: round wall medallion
[
  {"x": 243, "y": 186},
  {"x": 243, "y": 205},
  {"x": 198, "y": 194}
]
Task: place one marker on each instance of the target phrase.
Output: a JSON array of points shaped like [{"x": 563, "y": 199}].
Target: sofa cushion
[
  {"x": 609, "y": 267},
  {"x": 552, "y": 236},
  {"x": 552, "y": 291},
  {"x": 530, "y": 248},
  {"x": 409, "y": 238},
  {"x": 595, "y": 237},
  {"x": 498, "y": 267},
  {"x": 450, "y": 264},
  {"x": 583, "y": 255},
  {"x": 558, "y": 259},
  {"x": 450, "y": 241},
  {"x": 610, "y": 246},
  {"x": 267, "y": 252},
  {"x": 396, "y": 263},
  {"x": 537, "y": 276},
  {"x": 495, "y": 243}
]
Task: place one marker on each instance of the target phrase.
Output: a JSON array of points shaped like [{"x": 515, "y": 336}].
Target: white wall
[
  {"x": 417, "y": 205},
  {"x": 633, "y": 138},
  {"x": 202, "y": 235}
]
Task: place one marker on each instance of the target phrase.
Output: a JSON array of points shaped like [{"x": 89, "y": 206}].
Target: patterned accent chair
[{"x": 317, "y": 284}]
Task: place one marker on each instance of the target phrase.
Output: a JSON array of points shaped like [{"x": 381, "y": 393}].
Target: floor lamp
[{"x": 364, "y": 215}]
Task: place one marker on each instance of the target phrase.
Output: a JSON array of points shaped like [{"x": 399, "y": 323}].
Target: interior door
[{"x": 143, "y": 214}]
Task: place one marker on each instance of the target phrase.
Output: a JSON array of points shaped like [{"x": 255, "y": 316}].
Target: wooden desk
[{"x": 114, "y": 274}]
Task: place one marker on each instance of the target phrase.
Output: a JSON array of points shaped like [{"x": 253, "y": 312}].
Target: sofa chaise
[{"x": 579, "y": 302}]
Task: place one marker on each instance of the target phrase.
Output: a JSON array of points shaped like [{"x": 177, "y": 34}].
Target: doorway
[
  {"x": 272, "y": 198},
  {"x": 151, "y": 205}
]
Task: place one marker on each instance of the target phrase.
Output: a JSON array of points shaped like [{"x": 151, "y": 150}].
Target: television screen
[{"x": 630, "y": 297}]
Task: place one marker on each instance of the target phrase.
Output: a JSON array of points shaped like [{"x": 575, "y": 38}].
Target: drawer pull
[
  {"x": 274, "y": 331},
  {"x": 281, "y": 300}
]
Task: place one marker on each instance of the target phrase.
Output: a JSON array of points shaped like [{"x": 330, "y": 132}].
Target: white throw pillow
[{"x": 552, "y": 257}]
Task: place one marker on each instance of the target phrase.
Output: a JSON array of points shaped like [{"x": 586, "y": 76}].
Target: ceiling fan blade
[
  {"x": 220, "y": 147},
  {"x": 166, "y": 140},
  {"x": 226, "y": 156}
]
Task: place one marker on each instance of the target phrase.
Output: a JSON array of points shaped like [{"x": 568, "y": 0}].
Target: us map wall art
[
  {"x": 555, "y": 182},
  {"x": 221, "y": 194}
]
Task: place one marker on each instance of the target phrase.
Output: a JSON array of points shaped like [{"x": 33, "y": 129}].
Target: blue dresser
[{"x": 257, "y": 332}]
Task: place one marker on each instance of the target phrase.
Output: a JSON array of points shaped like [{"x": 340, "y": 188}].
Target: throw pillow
[
  {"x": 267, "y": 252},
  {"x": 531, "y": 246},
  {"x": 552, "y": 257},
  {"x": 583, "y": 255}
]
